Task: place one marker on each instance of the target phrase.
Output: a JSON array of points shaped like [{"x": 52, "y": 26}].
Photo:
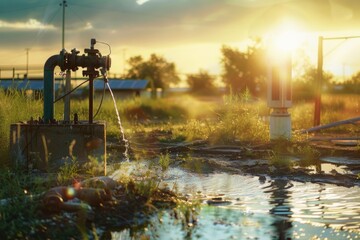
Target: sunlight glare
[{"x": 286, "y": 38}]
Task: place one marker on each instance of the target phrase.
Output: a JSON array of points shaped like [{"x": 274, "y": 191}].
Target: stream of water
[{"x": 126, "y": 142}]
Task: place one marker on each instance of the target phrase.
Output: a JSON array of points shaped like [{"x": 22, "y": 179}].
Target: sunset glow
[
  {"x": 287, "y": 37},
  {"x": 176, "y": 30}
]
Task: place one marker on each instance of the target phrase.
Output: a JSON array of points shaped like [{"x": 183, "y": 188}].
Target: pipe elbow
[{"x": 52, "y": 62}]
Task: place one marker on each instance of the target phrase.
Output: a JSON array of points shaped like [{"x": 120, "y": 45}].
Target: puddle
[
  {"x": 329, "y": 168},
  {"x": 341, "y": 160},
  {"x": 259, "y": 209}
]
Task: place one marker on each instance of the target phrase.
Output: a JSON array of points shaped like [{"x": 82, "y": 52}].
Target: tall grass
[
  {"x": 237, "y": 119},
  {"x": 15, "y": 106},
  {"x": 132, "y": 111},
  {"x": 334, "y": 107}
]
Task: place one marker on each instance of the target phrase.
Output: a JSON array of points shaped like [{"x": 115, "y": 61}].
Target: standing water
[
  {"x": 126, "y": 142},
  {"x": 266, "y": 209}
]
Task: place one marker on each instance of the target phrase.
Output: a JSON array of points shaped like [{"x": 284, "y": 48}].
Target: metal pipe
[
  {"x": 91, "y": 98},
  {"x": 49, "y": 89},
  {"x": 67, "y": 98},
  {"x": 319, "y": 77}
]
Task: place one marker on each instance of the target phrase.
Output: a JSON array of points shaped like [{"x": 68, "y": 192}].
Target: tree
[
  {"x": 157, "y": 70},
  {"x": 244, "y": 70},
  {"x": 201, "y": 83},
  {"x": 353, "y": 84},
  {"x": 304, "y": 86}
]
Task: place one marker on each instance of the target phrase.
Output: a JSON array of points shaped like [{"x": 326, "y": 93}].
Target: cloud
[
  {"x": 141, "y": 2},
  {"x": 28, "y": 25},
  {"x": 88, "y": 26}
]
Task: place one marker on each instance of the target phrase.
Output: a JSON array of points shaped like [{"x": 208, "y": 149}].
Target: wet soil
[
  {"x": 131, "y": 210},
  {"x": 307, "y": 161}
]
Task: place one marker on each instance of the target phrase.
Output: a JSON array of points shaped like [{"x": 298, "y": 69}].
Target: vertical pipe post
[
  {"x": 63, "y": 23},
  {"x": 27, "y": 62},
  {"x": 67, "y": 98},
  {"x": 49, "y": 89},
  {"x": 319, "y": 83},
  {"x": 91, "y": 97}
]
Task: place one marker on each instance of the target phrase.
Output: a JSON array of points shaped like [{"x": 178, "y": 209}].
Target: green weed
[
  {"x": 18, "y": 204},
  {"x": 69, "y": 171},
  {"x": 280, "y": 161},
  {"x": 164, "y": 161}
]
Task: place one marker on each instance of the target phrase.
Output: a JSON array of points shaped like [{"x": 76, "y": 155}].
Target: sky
[{"x": 189, "y": 33}]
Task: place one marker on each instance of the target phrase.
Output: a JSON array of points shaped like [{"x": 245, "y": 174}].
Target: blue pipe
[{"x": 49, "y": 89}]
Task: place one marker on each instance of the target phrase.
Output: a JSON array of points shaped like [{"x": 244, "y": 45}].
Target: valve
[{"x": 92, "y": 60}]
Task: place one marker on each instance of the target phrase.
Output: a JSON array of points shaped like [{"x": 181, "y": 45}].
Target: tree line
[{"x": 242, "y": 70}]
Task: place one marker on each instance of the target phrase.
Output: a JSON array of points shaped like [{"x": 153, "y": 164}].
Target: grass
[
  {"x": 220, "y": 121},
  {"x": 139, "y": 194},
  {"x": 233, "y": 119},
  {"x": 15, "y": 106},
  {"x": 236, "y": 119},
  {"x": 19, "y": 203},
  {"x": 335, "y": 107},
  {"x": 164, "y": 161}
]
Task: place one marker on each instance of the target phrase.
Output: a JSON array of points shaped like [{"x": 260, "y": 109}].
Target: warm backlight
[{"x": 286, "y": 38}]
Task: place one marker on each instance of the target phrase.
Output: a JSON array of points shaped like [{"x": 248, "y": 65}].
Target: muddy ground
[{"x": 301, "y": 162}]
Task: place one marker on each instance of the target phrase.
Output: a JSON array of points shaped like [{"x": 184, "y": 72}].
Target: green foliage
[
  {"x": 16, "y": 106},
  {"x": 238, "y": 119},
  {"x": 93, "y": 167},
  {"x": 18, "y": 205},
  {"x": 156, "y": 69},
  {"x": 279, "y": 156},
  {"x": 201, "y": 83},
  {"x": 144, "y": 187},
  {"x": 309, "y": 155},
  {"x": 305, "y": 85},
  {"x": 244, "y": 70},
  {"x": 353, "y": 84},
  {"x": 280, "y": 161},
  {"x": 302, "y": 115},
  {"x": 68, "y": 172},
  {"x": 164, "y": 161}
]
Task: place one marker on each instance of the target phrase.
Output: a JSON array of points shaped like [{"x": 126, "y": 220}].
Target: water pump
[{"x": 92, "y": 62}]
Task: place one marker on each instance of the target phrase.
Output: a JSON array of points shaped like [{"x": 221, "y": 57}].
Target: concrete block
[{"x": 48, "y": 146}]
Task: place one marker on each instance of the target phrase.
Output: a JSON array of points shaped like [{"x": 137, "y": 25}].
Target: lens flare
[{"x": 70, "y": 192}]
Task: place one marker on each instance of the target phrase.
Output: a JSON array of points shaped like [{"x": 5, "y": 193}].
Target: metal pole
[
  {"x": 124, "y": 62},
  {"x": 67, "y": 98},
  {"x": 319, "y": 78},
  {"x": 63, "y": 24},
  {"x": 27, "y": 62},
  {"x": 91, "y": 96},
  {"x": 319, "y": 82}
]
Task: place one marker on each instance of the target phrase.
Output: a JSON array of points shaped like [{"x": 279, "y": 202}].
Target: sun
[{"x": 287, "y": 37}]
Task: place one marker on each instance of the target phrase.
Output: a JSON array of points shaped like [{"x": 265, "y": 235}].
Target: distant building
[
  {"x": 124, "y": 89},
  {"x": 29, "y": 87}
]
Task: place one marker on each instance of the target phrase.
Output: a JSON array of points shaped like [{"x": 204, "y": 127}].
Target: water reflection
[
  {"x": 279, "y": 199},
  {"x": 262, "y": 208}
]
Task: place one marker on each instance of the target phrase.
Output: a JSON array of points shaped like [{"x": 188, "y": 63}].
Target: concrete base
[
  {"x": 280, "y": 126},
  {"x": 48, "y": 146}
]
